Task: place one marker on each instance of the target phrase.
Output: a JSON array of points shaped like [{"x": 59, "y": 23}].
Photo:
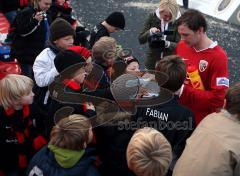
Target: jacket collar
[
  {"x": 211, "y": 46},
  {"x": 233, "y": 117},
  {"x": 72, "y": 84},
  {"x": 53, "y": 47},
  {"x": 65, "y": 157},
  {"x": 25, "y": 110}
]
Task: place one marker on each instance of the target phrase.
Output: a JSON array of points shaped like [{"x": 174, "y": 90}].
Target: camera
[
  {"x": 44, "y": 14},
  {"x": 156, "y": 40}
]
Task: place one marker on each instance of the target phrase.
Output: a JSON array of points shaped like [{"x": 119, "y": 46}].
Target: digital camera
[
  {"x": 156, "y": 40},
  {"x": 44, "y": 14}
]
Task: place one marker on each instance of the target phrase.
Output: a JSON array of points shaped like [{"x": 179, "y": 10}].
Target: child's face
[
  {"x": 132, "y": 68},
  {"x": 64, "y": 42},
  {"x": 27, "y": 99},
  {"x": 80, "y": 75}
]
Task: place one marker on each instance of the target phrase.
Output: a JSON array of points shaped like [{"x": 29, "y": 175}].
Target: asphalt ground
[{"x": 92, "y": 12}]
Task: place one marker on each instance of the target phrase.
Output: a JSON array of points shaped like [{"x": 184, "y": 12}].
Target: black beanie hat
[
  {"x": 60, "y": 28},
  {"x": 67, "y": 58},
  {"x": 116, "y": 19}
]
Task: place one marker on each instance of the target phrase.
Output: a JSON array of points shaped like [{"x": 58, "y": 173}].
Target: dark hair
[
  {"x": 120, "y": 65},
  {"x": 233, "y": 100},
  {"x": 193, "y": 19},
  {"x": 175, "y": 68}
]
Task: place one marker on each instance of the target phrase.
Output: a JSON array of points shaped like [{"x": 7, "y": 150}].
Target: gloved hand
[{"x": 39, "y": 142}]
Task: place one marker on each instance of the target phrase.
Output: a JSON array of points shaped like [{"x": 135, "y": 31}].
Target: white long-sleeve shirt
[{"x": 44, "y": 69}]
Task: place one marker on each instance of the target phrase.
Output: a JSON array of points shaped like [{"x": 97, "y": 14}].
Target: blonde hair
[
  {"x": 35, "y": 4},
  {"x": 13, "y": 87},
  {"x": 104, "y": 48},
  {"x": 149, "y": 153},
  {"x": 171, "y": 6},
  {"x": 71, "y": 132}
]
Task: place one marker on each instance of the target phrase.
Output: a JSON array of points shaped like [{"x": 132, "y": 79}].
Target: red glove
[
  {"x": 84, "y": 52},
  {"x": 22, "y": 161},
  {"x": 39, "y": 142}
]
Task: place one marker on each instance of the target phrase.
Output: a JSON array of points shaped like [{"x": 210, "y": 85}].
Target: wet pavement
[{"x": 92, "y": 12}]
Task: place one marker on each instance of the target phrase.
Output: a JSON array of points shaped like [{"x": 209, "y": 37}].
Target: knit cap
[
  {"x": 116, "y": 19},
  {"x": 67, "y": 58},
  {"x": 60, "y": 28}
]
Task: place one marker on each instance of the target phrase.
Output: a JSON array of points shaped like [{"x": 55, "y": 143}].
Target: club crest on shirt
[{"x": 203, "y": 65}]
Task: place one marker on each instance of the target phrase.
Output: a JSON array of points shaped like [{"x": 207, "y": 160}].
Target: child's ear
[{"x": 85, "y": 145}]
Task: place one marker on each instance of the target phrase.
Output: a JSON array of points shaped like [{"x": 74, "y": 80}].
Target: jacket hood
[{"x": 66, "y": 158}]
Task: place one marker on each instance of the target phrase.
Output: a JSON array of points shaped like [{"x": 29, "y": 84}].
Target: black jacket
[
  {"x": 29, "y": 36},
  {"x": 58, "y": 11},
  {"x": 112, "y": 145},
  {"x": 55, "y": 105},
  {"x": 172, "y": 119},
  {"x": 17, "y": 133},
  {"x": 98, "y": 32},
  {"x": 101, "y": 79}
]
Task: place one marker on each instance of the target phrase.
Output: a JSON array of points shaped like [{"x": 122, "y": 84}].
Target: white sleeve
[{"x": 44, "y": 69}]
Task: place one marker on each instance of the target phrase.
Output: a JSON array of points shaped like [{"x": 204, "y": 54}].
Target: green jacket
[{"x": 152, "y": 54}]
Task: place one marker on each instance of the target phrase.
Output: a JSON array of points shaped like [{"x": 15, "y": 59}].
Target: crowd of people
[{"x": 82, "y": 105}]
